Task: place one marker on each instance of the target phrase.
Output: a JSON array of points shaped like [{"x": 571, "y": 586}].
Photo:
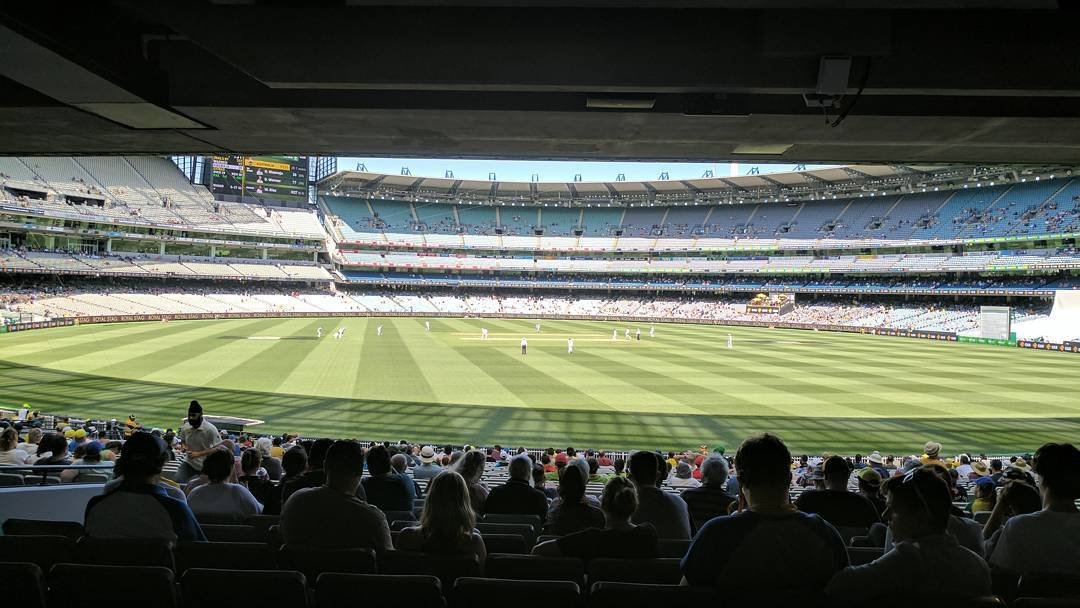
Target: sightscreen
[{"x": 995, "y": 322}]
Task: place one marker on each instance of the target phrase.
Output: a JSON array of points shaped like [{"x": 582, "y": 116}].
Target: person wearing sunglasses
[{"x": 925, "y": 562}]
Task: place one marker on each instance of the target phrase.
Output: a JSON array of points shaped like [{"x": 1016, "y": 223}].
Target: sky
[{"x": 558, "y": 171}]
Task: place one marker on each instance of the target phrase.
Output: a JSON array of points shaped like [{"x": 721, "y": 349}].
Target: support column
[
  {"x": 161, "y": 248},
  {"x": 108, "y": 246},
  {"x": 264, "y": 253},
  {"x": 213, "y": 251}
]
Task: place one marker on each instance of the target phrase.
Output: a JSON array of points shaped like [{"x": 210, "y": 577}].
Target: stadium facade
[{"x": 909, "y": 248}]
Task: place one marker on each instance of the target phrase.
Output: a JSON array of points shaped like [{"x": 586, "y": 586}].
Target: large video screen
[{"x": 262, "y": 178}]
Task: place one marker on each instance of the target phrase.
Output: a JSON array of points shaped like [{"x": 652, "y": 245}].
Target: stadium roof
[
  {"x": 928, "y": 82},
  {"x": 850, "y": 181}
]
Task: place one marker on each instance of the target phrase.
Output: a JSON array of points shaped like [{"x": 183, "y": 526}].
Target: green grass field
[{"x": 817, "y": 390}]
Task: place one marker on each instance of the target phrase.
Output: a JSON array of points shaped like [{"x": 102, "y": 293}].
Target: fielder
[
  {"x": 427, "y": 325},
  {"x": 569, "y": 346},
  {"x": 652, "y": 331},
  {"x": 730, "y": 342},
  {"x": 524, "y": 346},
  {"x": 614, "y": 334},
  {"x": 537, "y": 328},
  {"x": 639, "y": 334},
  {"x": 378, "y": 330},
  {"x": 483, "y": 333},
  {"x": 627, "y": 333},
  {"x": 318, "y": 332}
]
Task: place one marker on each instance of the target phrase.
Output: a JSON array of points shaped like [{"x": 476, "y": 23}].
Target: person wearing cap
[
  {"x": 1047, "y": 541},
  {"x": 427, "y": 468},
  {"x": 877, "y": 462},
  {"x": 709, "y": 500},
  {"x": 130, "y": 426},
  {"x": 926, "y": 563},
  {"x": 836, "y": 504},
  {"x": 870, "y": 487},
  {"x": 979, "y": 469},
  {"x": 682, "y": 476},
  {"x": 931, "y": 453},
  {"x": 137, "y": 507},
  {"x": 331, "y": 516},
  {"x": 200, "y": 438},
  {"x": 744, "y": 553},
  {"x": 517, "y": 495}
]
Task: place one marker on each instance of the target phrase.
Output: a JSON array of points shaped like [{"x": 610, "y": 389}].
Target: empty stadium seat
[
  {"x": 400, "y": 516},
  {"x": 662, "y": 571},
  {"x": 71, "y": 529},
  {"x": 383, "y": 590},
  {"x": 447, "y": 567},
  {"x": 673, "y": 547},
  {"x": 469, "y": 592},
  {"x": 505, "y": 543},
  {"x": 233, "y": 556},
  {"x": 534, "y": 567},
  {"x": 124, "y": 552},
  {"x": 864, "y": 555},
  {"x": 527, "y": 531},
  {"x": 206, "y": 588},
  {"x": 514, "y": 518},
  {"x": 233, "y": 533},
  {"x": 11, "y": 479},
  {"x": 1041, "y": 602},
  {"x": 313, "y": 562},
  {"x": 41, "y": 550},
  {"x": 638, "y": 595},
  {"x": 81, "y": 585},
  {"x": 1049, "y": 585},
  {"x": 29, "y": 579}
]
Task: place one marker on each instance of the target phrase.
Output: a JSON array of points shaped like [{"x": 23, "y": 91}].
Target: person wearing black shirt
[
  {"x": 710, "y": 500},
  {"x": 836, "y": 504},
  {"x": 619, "y": 538},
  {"x": 517, "y": 496}
]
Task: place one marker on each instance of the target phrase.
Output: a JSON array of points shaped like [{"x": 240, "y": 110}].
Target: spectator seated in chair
[
  {"x": 836, "y": 504},
  {"x": 619, "y": 538},
  {"x": 517, "y": 496},
  {"x": 743, "y": 552},
  {"x": 138, "y": 507},
  {"x": 710, "y": 500},
  {"x": 925, "y": 561},
  {"x": 666, "y": 512},
  {"x": 386, "y": 489},
  {"x": 448, "y": 522},
  {"x": 1047, "y": 541},
  {"x": 331, "y": 516},
  {"x": 572, "y": 513},
  {"x": 220, "y": 498}
]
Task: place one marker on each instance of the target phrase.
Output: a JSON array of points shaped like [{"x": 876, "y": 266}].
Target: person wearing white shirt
[
  {"x": 9, "y": 451},
  {"x": 569, "y": 346},
  {"x": 1047, "y": 541},
  {"x": 219, "y": 498},
  {"x": 524, "y": 346}
]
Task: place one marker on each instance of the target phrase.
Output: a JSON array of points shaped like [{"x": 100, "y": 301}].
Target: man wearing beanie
[{"x": 200, "y": 438}]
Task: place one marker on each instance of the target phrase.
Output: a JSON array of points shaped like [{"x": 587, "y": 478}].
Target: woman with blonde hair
[{"x": 448, "y": 522}]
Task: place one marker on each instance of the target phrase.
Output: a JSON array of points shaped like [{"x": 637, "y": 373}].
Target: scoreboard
[{"x": 259, "y": 178}]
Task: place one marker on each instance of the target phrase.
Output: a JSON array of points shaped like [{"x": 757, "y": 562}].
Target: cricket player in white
[
  {"x": 614, "y": 334},
  {"x": 318, "y": 332},
  {"x": 537, "y": 328},
  {"x": 483, "y": 333},
  {"x": 638, "y": 335},
  {"x": 427, "y": 325},
  {"x": 524, "y": 346},
  {"x": 652, "y": 331},
  {"x": 378, "y": 330},
  {"x": 627, "y": 333},
  {"x": 569, "y": 346},
  {"x": 730, "y": 343}
]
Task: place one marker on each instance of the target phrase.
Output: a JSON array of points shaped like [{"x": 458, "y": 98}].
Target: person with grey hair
[
  {"x": 517, "y": 496},
  {"x": 400, "y": 463},
  {"x": 710, "y": 500},
  {"x": 269, "y": 463}
]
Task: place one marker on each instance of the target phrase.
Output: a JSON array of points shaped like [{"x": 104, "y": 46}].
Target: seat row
[{"x": 78, "y": 585}]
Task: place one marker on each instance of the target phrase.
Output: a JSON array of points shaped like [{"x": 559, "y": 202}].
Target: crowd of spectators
[{"x": 745, "y": 517}]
